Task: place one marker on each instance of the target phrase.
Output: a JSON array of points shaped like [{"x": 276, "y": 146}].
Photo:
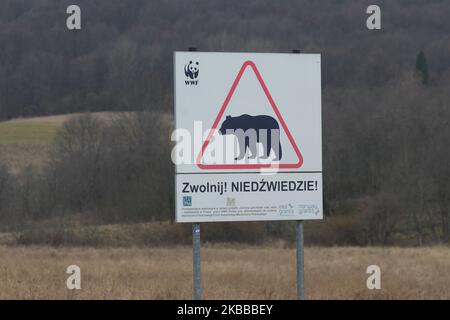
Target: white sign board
[{"x": 248, "y": 137}]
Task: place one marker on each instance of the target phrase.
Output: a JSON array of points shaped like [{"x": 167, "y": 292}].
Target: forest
[{"x": 386, "y": 108}]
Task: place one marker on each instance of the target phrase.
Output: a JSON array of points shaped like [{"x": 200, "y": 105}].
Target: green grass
[
  {"x": 26, "y": 141},
  {"x": 27, "y": 132},
  {"x": 38, "y": 130}
]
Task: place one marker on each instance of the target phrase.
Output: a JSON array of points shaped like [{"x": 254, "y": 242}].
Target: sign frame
[{"x": 210, "y": 170}]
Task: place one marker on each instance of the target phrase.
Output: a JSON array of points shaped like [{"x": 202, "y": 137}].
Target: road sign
[
  {"x": 275, "y": 109},
  {"x": 248, "y": 138}
]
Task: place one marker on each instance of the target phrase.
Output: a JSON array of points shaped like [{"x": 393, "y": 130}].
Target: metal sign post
[
  {"x": 300, "y": 262},
  {"x": 196, "y": 261},
  {"x": 300, "y": 253},
  {"x": 196, "y": 257}
]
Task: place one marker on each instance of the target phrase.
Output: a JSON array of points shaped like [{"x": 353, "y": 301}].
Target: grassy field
[
  {"x": 25, "y": 141},
  {"x": 39, "y": 130},
  {"x": 229, "y": 272},
  {"x": 27, "y": 132}
]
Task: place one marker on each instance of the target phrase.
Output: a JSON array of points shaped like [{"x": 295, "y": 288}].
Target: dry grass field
[{"x": 229, "y": 272}]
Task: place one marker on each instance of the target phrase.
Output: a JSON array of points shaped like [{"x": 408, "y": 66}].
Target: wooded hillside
[{"x": 386, "y": 110}]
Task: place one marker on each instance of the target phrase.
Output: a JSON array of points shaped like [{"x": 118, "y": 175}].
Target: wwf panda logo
[{"x": 191, "y": 70}]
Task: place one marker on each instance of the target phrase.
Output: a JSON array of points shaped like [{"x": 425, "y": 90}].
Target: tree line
[{"x": 121, "y": 59}]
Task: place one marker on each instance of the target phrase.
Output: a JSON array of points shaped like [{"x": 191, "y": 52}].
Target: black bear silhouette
[
  {"x": 249, "y": 130},
  {"x": 191, "y": 70}
]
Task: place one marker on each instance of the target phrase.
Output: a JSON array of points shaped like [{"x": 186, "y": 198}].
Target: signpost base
[
  {"x": 300, "y": 261},
  {"x": 196, "y": 261},
  {"x": 300, "y": 254}
]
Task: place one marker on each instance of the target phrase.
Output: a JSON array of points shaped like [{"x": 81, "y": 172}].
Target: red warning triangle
[{"x": 298, "y": 164}]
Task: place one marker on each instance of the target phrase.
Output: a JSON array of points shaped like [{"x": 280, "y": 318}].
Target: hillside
[
  {"x": 122, "y": 57},
  {"x": 385, "y": 107}
]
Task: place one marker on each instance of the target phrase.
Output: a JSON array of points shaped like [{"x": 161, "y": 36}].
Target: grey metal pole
[
  {"x": 300, "y": 252},
  {"x": 196, "y": 258},
  {"x": 196, "y": 261},
  {"x": 300, "y": 262}
]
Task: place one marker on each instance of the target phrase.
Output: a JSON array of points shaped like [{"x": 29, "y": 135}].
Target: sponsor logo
[
  {"x": 308, "y": 209},
  {"x": 286, "y": 209},
  {"x": 191, "y": 71},
  {"x": 187, "y": 201}
]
